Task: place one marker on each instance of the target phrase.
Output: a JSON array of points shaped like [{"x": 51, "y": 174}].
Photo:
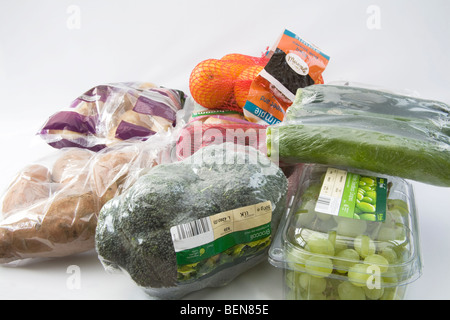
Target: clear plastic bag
[
  {"x": 367, "y": 129},
  {"x": 50, "y": 209},
  {"x": 111, "y": 113},
  {"x": 204, "y": 129},
  {"x": 195, "y": 223}
]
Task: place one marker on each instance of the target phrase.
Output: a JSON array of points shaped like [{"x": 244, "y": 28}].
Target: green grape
[
  {"x": 345, "y": 259},
  {"x": 319, "y": 266},
  {"x": 402, "y": 253},
  {"x": 372, "y": 194},
  {"x": 393, "y": 217},
  {"x": 350, "y": 227},
  {"x": 359, "y": 196},
  {"x": 312, "y": 284},
  {"x": 336, "y": 241},
  {"x": 321, "y": 246},
  {"x": 364, "y": 245},
  {"x": 347, "y": 291},
  {"x": 296, "y": 258},
  {"x": 398, "y": 205},
  {"x": 304, "y": 219},
  {"x": 368, "y": 181},
  {"x": 374, "y": 294},
  {"x": 390, "y": 276},
  {"x": 368, "y": 216},
  {"x": 377, "y": 260},
  {"x": 387, "y": 251},
  {"x": 358, "y": 275},
  {"x": 391, "y": 233}
]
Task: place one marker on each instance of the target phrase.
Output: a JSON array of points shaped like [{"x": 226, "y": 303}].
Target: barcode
[
  {"x": 323, "y": 203},
  {"x": 191, "y": 229}
]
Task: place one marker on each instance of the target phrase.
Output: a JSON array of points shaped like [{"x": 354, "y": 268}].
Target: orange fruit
[
  {"x": 211, "y": 83},
  {"x": 239, "y": 58},
  {"x": 245, "y": 59},
  {"x": 239, "y": 62},
  {"x": 243, "y": 83}
]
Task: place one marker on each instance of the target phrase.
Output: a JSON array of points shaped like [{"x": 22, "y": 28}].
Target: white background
[{"x": 49, "y": 55}]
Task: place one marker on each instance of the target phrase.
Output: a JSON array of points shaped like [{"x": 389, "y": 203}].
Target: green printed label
[
  {"x": 352, "y": 195},
  {"x": 203, "y": 238},
  {"x": 348, "y": 202},
  {"x": 210, "y": 249}
]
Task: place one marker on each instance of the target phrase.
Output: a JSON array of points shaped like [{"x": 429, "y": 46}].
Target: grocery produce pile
[{"x": 260, "y": 161}]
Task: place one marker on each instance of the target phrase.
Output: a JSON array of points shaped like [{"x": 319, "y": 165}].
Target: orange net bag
[{"x": 223, "y": 84}]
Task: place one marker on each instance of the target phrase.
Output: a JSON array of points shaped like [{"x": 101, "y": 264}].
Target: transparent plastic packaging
[
  {"x": 328, "y": 257},
  {"x": 368, "y": 129},
  {"x": 50, "y": 208},
  {"x": 205, "y": 127},
  {"x": 195, "y": 223},
  {"x": 111, "y": 113}
]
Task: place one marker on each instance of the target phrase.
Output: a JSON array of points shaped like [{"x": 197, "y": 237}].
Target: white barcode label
[
  {"x": 330, "y": 195},
  {"x": 191, "y": 229},
  {"x": 323, "y": 203},
  {"x": 192, "y": 234}
]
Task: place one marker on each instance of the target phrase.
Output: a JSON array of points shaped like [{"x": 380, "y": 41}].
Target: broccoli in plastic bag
[{"x": 196, "y": 223}]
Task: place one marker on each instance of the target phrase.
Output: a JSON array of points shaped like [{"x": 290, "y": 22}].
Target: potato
[
  {"x": 29, "y": 186},
  {"x": 57, "y": 218},
  {"x": 58, "y": 226},
  {"x": 111, "y": 167},
  {"x": 70, "y": 164}
]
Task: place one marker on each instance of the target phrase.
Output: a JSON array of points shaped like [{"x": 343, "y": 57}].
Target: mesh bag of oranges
[{"x": 223, "y": 84}]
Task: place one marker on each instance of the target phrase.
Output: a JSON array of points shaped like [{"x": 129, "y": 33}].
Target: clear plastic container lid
[{"x": 356, "y": 244}]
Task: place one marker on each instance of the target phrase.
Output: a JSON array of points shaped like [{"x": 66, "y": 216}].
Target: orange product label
[
  {"x": 314, "y": 58},
  {"x": 293, "y": 64}
]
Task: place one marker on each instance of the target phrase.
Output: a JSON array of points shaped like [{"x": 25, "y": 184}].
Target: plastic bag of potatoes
[
  {"x": 111, "y": 113},
  {"x": 50, "y": 208}
]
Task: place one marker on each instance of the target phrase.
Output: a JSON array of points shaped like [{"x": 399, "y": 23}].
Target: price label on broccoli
[
  {"x": 352, "y": 195},
  {"x": 230, "y": 234}
]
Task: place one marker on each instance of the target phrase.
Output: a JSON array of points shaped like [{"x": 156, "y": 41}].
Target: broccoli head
[{"x": 133, "y": 230}]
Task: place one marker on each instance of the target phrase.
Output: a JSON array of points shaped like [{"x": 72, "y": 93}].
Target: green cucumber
[{"x": 424, "y": 160}]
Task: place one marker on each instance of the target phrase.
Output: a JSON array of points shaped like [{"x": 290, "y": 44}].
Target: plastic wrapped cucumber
[
  {"x": 355, "y": 101},
  {"x": 366, "y": 129}
]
